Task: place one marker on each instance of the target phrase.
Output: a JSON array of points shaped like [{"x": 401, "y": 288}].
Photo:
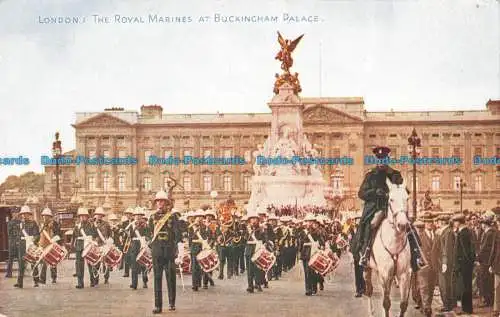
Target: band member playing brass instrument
[
  {"x": 30, "y": 236},
  {"x": 129, "y": 213},
  {"x": 48, "y": 230}
]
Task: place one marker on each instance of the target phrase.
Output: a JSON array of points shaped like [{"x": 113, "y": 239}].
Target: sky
[{"x": 406, "y": 55}]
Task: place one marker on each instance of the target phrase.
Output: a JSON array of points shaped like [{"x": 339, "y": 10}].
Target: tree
[{"x": 27, "y": 182}]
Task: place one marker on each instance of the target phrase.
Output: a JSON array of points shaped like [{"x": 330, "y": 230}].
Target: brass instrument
[{"x": 285, "y": 236}]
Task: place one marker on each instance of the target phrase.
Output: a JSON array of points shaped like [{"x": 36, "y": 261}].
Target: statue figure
[
  {"x": 285, "y": 54},
  {"x": 428, "y": 205},
  {"x": 171, "y": 184}
]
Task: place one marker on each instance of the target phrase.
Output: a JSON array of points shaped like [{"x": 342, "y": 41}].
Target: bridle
[{"x": 392, "y": 222}]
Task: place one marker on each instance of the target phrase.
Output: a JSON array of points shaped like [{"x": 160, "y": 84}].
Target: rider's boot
[{"x": 367, "y": 244}]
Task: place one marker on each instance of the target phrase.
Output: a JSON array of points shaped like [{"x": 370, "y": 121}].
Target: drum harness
[
  {"x": 258, "y": 245},
  {"x": 86, "y": 241},
  {"x": 29, "y": 243}
]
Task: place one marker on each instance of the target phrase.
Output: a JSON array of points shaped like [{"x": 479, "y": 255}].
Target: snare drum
[
  {"x": 92, "y": 254},
  {"x": 111, "y": 256},
  {"x": 264, "y": 259},
  {"x": 186, "y": 264},
  {"x": 208, "y": 260},
  {"x": 145, "y": 258},
  {"x": 54, "y": 254},
  {"x": 321, "y": 263},
  {"x": 33, "y": 254}
]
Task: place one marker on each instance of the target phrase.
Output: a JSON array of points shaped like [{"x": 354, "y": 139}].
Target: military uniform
[
  {"x": 29, "y": 230},
  {"x": 53, "y": 229},
  {"x": 238, "y": 242},
  {"x": 14, "y": 236},
  {"x": 164, "y": 252},
  {"x": 124, "y": 236},
  {"x": 253, "y": 235},
  {"x": 141, "y": 235},
  {"x": 224, "y": 239},
  {"x": 311, "y": 278},
  {"x": 195, "y": 248},
  {"x": 84, "y": 228}
]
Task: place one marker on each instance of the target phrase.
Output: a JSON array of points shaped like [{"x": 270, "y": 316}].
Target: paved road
[{"x": 228, "y": 298}]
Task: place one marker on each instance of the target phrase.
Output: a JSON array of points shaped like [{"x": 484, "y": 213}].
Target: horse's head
[{"x": 398, "y": 205}]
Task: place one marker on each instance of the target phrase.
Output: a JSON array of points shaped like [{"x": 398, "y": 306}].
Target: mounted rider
[{"x": 375, "y": 193}]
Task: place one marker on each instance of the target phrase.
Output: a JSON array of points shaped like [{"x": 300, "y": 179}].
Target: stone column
[
  {"x": 468, "y": 159},
  {"x": 217, "y": 170},
  {"x": 236, "y": 142},
  {"x": 490, "y": 169},
  {"x": 197, "y": 168},
  {"x": 447, "y": 181}
]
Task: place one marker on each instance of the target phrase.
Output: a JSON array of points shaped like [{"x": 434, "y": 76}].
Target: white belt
[
  {"x": 136, "y": 239},
  {"x": 80, "y": 238},
  {"x": 23, "y": 238}
]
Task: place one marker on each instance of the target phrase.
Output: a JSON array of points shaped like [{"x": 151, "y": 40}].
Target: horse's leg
[
  {"x": 386, "y": 282},
  {"x": 369, "y": 290},
  {"x": 404, "y": 290}
]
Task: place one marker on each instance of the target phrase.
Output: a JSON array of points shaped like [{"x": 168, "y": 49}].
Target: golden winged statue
[{"x": 285, "y": 54}]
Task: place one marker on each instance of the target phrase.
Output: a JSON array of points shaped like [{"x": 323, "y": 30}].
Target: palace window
[
  {"x": 121, "y": 181},
  {"x": 372, "y": 136},
  {"x": 91, "y": 183},
  {"x": 148, "y": 184},
  {"x": 478, "y": 151},
  {"x": 456, "y": 135},
  {"x": 186, "y": 183},
  {"x": 393, "y": 135},
  {"x": 435, "y": 135},
  {"x": 227, "y": 183},
  {"x": 336, "y": 152},
  {"x": 456, "y": 183},
  {"x": 248, "y": 156},
  {"x": 247, "y": 186},
  {"x": 105, "y": 181},
  {"x": 167, "y": 153},
  {"x": 478, "y": 134},
  {"x": 105, "y": 153},
  {"x": 91, "y": 153},
  {"x": 478, "y": 183},
  {"x": 435, "y": 152},
  {"x": 435, "y": 183},
  {"x": 122, "y": 153},
  {"x": 478, "y": 202},
  {"x": 227, "y": 153},
  {"x": 187, "y": 153},
  {"x": 120, "y": 140},
  {"x": 457, "y": 152},
  {"x": 338, "y": 183},
  {"x": 147, "y": 154},
  {"x": 207, "y": 153},
  {"x": 207, "y": 183},
  {"x": 456, "y": 202}
]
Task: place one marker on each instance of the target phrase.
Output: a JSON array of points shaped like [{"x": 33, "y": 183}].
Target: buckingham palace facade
[{"x": 338, "y": 127}]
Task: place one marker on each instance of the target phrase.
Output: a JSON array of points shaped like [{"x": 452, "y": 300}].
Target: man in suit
[
  {"x": 444, "y": 253},
  {"x": 427, "y": 276},
  {"x": 477, "y": 235},
  {"x": 485, "y": 258},
  {"x": 14, "y": 236},
  {"x": 465, "y": 257},
  {"x": 167, "y": 248}
]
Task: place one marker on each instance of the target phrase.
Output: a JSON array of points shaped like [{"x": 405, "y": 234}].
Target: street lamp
[
  {"x": 56, "y": 153},
  {"x": 462, "y": 185},
  {"x": 214, "y": 195},
  {"x": 414, "y": 147}
]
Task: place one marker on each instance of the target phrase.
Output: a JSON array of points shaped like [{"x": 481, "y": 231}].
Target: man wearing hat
[
  {"x": 139, "y": 231},
  {"x": 375, "y": 193},
  {"x": 464, "y": 260},
  {"x": 30, "y": 235},
  {"x": 83, "y": 234},
  {"x": 129, "y": 213},
  {"x": 48, "y": 230},
  {"x": 167, "y": 248},
  {"x": 104, "y": 232},
  {"x": 14, "y": 236},
  {"x": 427, "y": 276},
  {"x": 309, "y": 238},
  {"x": 238, "y": 243},
  {"x": 195, "y": 231},
  {"x": 254, "y": 234},
  {"x": 485, "y": 257}
]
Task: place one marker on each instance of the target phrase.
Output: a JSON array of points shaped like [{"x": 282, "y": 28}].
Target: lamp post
[
  {"x": 414, "y": 147},
  {"x": 462, "y": 185},
  {"x": 56, "y": 153},
  {"x": 214, "y": 195}
]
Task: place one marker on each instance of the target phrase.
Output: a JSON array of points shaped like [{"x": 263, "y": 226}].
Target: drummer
[
  {"x": 104, "y": 232},
  {"x": 253, "y": 235},
  {"x": 141, "y": 236},
  {"x": 167, "y": 248},
  {"x": 48, "y": 230},
  {"x": 305, "y": 248},
  {"x": 196, "y": 246},
  {"x": 29, "y": 231},
  {"x": 83, "y": 233},
  {"x": 209, "y": 223}
]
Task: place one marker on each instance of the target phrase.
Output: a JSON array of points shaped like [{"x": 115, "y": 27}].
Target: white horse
[{"x": 390, "y": 255}]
